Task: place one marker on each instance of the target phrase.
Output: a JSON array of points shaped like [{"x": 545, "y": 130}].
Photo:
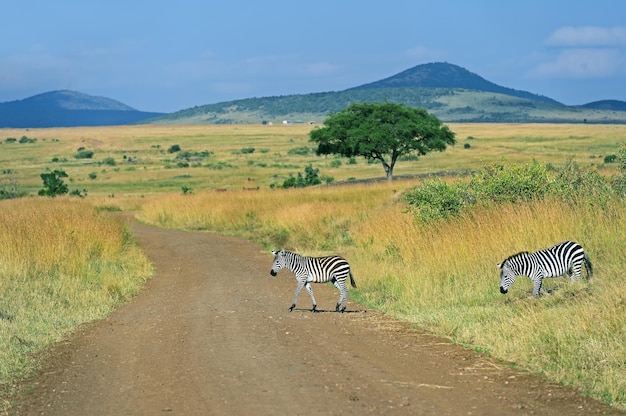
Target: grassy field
[
  {"x": 62, "y": 263},
  {"x": 135, "y": 160},
  {"x": 441, "y": 277}
]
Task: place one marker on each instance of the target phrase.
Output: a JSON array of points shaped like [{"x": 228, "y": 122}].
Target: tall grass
[
  {"x": 313, "y": 219},
  {"x": 62, "y": 263},
  {"x": 443, "y": 276}
]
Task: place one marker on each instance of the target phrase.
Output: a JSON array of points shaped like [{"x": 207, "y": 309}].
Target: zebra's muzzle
[
  {"x": 503, "y": 290},
  {"x": 273, "y": 273}
]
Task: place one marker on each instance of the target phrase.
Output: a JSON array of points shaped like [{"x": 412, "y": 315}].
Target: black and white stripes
[
  {"x": 309, "y": 270},
  {"x": 564, "y": 258}
]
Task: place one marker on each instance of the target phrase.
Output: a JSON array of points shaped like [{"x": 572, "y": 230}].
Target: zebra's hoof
[
  {"x": 314, "y": 309},
  {"x": 291, "y": 307}
]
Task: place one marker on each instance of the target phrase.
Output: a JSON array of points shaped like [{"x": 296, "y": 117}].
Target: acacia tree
[{"x": 383, "y": 132}]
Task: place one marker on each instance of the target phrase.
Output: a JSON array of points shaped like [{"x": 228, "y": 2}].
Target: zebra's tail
[
  {"x": 588, "y": 266},
  {"x": 352, "y": 282}
]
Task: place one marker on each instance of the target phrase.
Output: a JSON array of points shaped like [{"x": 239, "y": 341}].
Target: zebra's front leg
[
  {"x": 310, "y": 290},
  {"x": 301, "y": 284}
]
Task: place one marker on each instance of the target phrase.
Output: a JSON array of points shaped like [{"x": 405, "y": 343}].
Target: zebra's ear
[
  {"x": 274, "y": 252},
  {"x": 282, "y": 252},
  {"x": 499, "y": 265}
]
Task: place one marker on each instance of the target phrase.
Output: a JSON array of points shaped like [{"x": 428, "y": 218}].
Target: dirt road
[{"x": 211, "y": 335}]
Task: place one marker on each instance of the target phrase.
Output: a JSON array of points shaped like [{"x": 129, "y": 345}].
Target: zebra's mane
[{"x": 514, "y": 255}]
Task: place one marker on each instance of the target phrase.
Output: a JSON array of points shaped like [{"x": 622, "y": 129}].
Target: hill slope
[
  {"x": 68, "y": 109},
  {"x": 450, "y": 92},
  {"x": 444, "y": 75}
]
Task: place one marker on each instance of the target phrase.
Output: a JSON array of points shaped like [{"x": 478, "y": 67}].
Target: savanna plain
[{"x": 66, "y": 260}]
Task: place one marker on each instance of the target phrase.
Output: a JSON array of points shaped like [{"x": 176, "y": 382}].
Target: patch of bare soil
[{"x": 210, "y": 334}]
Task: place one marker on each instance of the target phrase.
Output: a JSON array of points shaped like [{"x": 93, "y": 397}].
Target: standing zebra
[
  {"x": 333, "y": 269},
  {"x": 564, "y": 258}
]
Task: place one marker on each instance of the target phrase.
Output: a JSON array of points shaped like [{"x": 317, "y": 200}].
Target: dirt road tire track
[{"x": 210, "y": 334}]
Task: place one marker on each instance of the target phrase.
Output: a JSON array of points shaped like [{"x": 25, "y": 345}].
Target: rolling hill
[
  {"x": 450, "y": 92},
  {"x": 68, "y": 109}
]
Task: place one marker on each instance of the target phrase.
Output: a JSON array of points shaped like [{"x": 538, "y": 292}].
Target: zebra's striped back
[
  {"x": 563, "y": 258},
  {"x": 308, "y": 270},
  {"x": 324, "y": 269}
]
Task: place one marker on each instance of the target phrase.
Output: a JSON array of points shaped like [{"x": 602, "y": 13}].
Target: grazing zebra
[
  {"x": 333, "y": 269},
  {"x": 564, "y": 258}
]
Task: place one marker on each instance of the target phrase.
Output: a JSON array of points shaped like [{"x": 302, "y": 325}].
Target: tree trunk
[{"x": 388, "y": 170}]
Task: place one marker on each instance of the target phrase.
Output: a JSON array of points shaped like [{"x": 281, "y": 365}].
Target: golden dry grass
[{"x": 62, "y": 263}]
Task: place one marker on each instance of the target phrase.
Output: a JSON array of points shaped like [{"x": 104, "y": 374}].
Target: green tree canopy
[
  {"x": 381, "y": 131},
  {"x": 53, "y": 183}
]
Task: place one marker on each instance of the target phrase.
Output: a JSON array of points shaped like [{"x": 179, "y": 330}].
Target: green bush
[
  {"x": 84, "y": 154},
  {"x": 437, "y": 200},
  {"x": 510, "y": 183},
  {"x": 499, "y": 183},
  {"x": 310, "y": 178},
  {"x": 108, "y": 161},
  {"x": 300, "y": 151},
  {"x": 53, "y": 183}
]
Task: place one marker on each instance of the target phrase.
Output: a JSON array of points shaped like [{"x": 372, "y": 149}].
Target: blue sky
[{"x": 167, "y": 56}]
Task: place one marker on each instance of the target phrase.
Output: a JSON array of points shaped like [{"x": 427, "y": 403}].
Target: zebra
[
  {"x": 563, "y": 258},
  {"x": 309, "y": 270}
]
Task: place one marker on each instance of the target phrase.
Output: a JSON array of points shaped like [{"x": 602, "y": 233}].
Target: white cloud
[
  {"x": 580, "y": 63},
  {"x": 588, "y": 36}
]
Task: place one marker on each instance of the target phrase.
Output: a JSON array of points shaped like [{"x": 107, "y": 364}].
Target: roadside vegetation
[
  {"x": 62, "y": 263},
  {"x": 423, "y": 248}
]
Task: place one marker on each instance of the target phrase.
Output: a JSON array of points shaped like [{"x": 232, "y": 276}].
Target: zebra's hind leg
[{"x": 343, "y": 297}]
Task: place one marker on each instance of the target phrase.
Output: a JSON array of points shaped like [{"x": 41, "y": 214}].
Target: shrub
[
  {"x": 9, "y": 189},
  {"x": 573, "y": 182},
  {"x": 310, "y": 178},
  {"x": 25, "y": 139},
  {"x": 108, "y": 161},
  {"x": 173, "y": 149},
  {"x": 53, "y": 183},
  {"x": 84, "y": 154},
  {"x": 437, "y": 200},
  {"x": 510, "y": 183},
  {"x": 500, "y": 183},
  {"x": 300, "y": 151}
]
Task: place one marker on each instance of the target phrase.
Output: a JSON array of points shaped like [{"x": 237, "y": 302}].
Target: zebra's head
[
  {"x": 510, "y": 268},
  {"x": 507, "y": 276},
  {"x": 279, "y": 262}
]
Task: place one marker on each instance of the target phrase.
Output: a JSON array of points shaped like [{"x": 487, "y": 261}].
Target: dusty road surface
[{"x": 211, "y": 335}]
